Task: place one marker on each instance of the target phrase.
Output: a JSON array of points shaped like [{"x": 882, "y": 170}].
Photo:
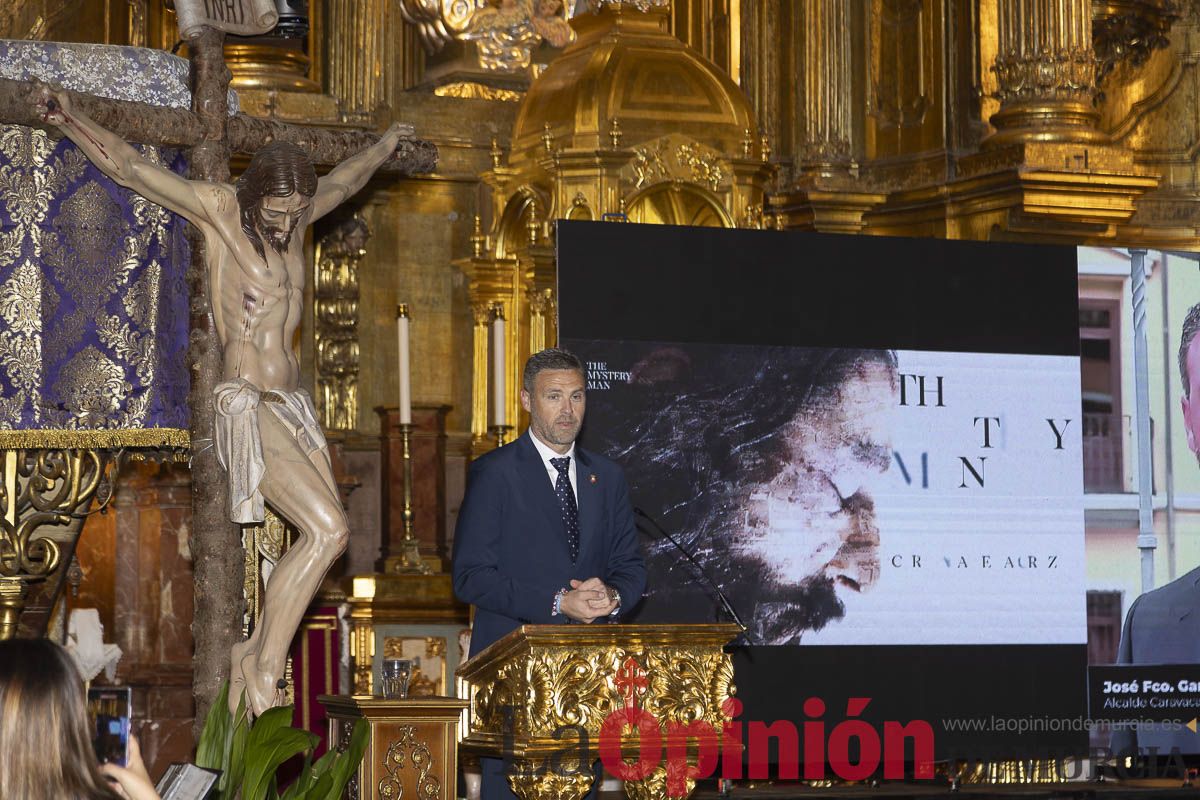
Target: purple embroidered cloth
[{"x": 93, "y": 297}]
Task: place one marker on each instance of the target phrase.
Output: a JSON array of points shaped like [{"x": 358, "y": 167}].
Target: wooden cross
[{"x": 211, "y": 137}]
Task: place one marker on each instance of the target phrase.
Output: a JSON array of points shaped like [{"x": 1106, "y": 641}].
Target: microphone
[{"x": 725, "y": 604}]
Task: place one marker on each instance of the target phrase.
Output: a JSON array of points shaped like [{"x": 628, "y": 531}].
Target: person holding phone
[
  {"x": 46, "y": 750},
  {"x": 132, "y": 782}
]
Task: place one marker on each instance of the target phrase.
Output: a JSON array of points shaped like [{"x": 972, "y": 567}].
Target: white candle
[
  {"x": 405, "y": 377},
  {"x": 499, "y": 416}
]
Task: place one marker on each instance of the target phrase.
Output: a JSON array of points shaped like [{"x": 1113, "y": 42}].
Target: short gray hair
[
  {"x": 1191, "y": 326},
  {"x": 550, "y": 358}
]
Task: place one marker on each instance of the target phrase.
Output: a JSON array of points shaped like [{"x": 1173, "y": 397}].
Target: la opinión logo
[{"x": 718, "y": 749}]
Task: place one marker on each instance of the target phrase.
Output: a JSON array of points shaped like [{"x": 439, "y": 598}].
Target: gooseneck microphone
[{"x": 725, "y": 604}]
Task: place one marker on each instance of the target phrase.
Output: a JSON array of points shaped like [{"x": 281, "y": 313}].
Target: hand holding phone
[{"x": 132, "y": 782}]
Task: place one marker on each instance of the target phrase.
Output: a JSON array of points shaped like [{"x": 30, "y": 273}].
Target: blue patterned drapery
[{"x": 93, "y": 298}]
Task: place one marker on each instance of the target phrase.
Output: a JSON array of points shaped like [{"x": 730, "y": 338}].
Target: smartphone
[{"x": 110, "y": 708}]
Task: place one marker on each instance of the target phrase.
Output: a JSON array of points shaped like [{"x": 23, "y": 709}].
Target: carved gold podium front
[{"x": 540, "y": 697}]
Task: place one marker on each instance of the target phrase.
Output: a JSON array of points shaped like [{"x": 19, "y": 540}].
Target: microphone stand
[{"x": 725, "y": 604}]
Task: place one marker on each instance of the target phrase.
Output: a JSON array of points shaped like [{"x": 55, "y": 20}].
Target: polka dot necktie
[{"x": 566, "y": 503}]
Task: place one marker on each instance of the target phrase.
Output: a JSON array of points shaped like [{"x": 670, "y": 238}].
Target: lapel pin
[{"x": 592, "y": 477}]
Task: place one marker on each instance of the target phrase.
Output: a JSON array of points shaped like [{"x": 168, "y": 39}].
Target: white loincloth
[{"x": 239, "y": 444}]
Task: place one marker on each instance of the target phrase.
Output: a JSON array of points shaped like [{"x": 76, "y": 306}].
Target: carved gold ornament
[
  {"x": 505, "y": 31},
  {"x": 679, "y": 159},
  {"x": 528, "y": 781},
  {"x": 1129, "y": 32},
  {"x": 335, "y": 312},
  {"x": 40, "y": 490},
  {"x": 409, "y": 753},
  {"x": 469, "y": 90}
]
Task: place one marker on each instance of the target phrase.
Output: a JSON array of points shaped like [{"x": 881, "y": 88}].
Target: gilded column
[
  {"x": 137, "y": 23},
  {"x": 1046, "y": 72},
  {"x": 494, "y": 282},
  {"x": 362, "y": 634},
  {"x": 357, "y": 50},
  {"x": 823, "y": 137},
  {"x": 541, "y": 317},
  {"x": 541, "y": 275},
  {"x": 823, "y": 195},
  {"x": 1048, "y": 170},
  {"x": 336, "y": 297},
  {"x": 756, "y": 66}
]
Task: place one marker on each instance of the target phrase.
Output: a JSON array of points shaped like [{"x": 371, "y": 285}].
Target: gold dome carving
[
  {"x": 625, "y": 66},
  {"x": 627, "y": 123}
]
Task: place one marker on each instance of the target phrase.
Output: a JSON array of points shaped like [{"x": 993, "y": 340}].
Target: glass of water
[{"x": 396, "y": 674}]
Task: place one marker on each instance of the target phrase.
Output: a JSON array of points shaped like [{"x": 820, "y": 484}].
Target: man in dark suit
[
  {"x": 1163, "y": 626},
  {"x": 545, "y": 534}
]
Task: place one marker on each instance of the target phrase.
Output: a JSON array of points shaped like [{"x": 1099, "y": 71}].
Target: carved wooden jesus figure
[{"x": 267, "y": 435}]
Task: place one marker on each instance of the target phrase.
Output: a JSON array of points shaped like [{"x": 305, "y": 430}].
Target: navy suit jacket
[
  {"x": 1162, "y": 627},
  {"x": 510, "y": 546}
]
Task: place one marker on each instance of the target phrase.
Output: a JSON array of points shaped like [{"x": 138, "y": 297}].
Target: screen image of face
[
  {"x": 767, "y": 460},
  {"x": 840, "y": 496}
]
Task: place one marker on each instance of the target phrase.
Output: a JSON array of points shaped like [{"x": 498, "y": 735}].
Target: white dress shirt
[{"x": 546, "y": 453}]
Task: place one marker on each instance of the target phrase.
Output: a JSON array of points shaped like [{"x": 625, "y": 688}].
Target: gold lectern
[{"x": 541, "y": 695}]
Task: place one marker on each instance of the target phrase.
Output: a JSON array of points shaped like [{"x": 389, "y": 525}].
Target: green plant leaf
[
  {"x": 249, "y": 755},
  {"x": 345, "y": 764},
  {"x": 301, "y": 787},
  {"x": 319, "y": 778},
  {"x": 210, "y": 751},
  {"x": 213, "y": 751},
  {"x": 303, "y": 781},
  {"x": 321, "y": 788},
  {"x": 271, "y": 742},
  {"x": 324, "y": 763},
  {"x": 236, "y": 761}
]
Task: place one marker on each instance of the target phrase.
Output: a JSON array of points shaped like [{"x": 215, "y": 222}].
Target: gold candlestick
[
  {"x": 410, "y": 561},
  {"x": 501, "y": 434}
]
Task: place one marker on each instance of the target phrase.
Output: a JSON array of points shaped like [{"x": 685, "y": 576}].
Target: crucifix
[{"x": 245, "y": 284}]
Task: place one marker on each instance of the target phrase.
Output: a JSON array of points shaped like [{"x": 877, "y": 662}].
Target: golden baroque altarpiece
[{"x": 1044, "y": 119}]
